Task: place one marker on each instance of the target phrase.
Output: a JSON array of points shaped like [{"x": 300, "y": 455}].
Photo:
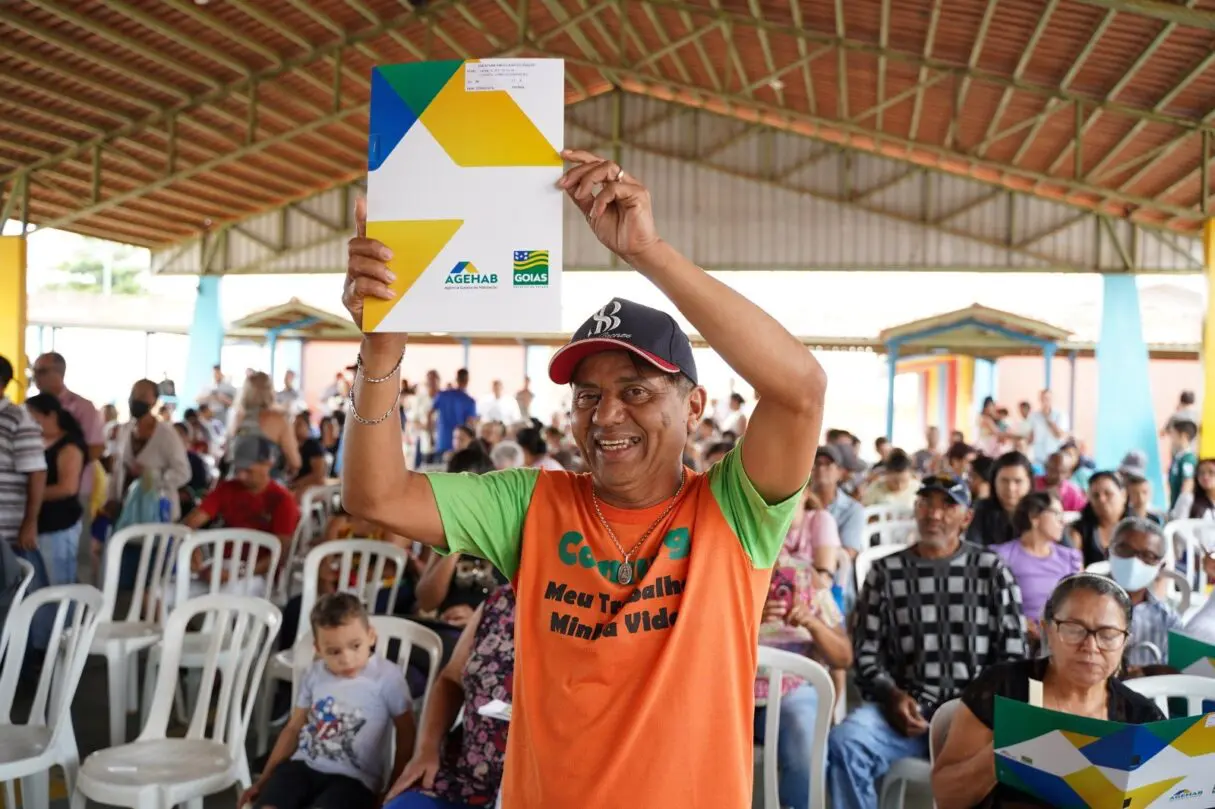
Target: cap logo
[{"x": 606, "y": 321}]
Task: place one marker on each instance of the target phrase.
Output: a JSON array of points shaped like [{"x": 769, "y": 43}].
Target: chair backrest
[
  {"x": 1070, "y": 517},
  {"x": 242, "y": 636},
  {"x": 893, "y": 532},
  {"x": 864, "y": 560},
  {"x": 408, "y": 634},
  {"x": 774, "y": 664},
  {"x": 886, "y": 513},
  {"x": 300, "y": 544},
  {"x": 369, "y": 560},
  {"x": 1182, "y": 585},
  {"x": 1192, "y": 688},
  {"x": 235, "y": 552},
  {"x": 27, "y": 576},
  {"x": 1182, "y": 542},
  {"x": 153, "y": 575},
  {"x": 77, "y": 610},
  {"x": 938, "y": 729}
]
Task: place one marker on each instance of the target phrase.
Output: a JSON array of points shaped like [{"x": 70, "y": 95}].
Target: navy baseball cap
[
  {"x": 648, "y": 333},
  {"x": 955, "y": 487}
]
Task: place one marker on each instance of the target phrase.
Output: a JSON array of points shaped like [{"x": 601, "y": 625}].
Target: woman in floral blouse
[{"x": 463, "y": 768}]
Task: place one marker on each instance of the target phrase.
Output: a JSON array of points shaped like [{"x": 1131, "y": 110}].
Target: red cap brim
[{"x": 561, "y": 366}]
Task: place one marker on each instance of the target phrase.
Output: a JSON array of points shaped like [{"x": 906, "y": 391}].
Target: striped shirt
[
  {"x": 929, "y": 626},
  {"x": 21, "y": 454},
  {"x": 1151, "y": 621}
]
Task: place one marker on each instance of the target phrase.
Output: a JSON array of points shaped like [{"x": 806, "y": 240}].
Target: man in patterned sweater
[{"x": 927, "y": 621}]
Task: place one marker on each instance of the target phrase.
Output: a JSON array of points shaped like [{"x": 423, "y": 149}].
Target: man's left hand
[{"x": 620, "y": 214}]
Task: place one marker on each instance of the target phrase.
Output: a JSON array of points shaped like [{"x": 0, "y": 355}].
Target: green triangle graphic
[{"x": 419, "y": 82}]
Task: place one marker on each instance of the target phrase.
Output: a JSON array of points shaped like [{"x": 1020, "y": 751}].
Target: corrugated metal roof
[{"x": 152, "y": 121}]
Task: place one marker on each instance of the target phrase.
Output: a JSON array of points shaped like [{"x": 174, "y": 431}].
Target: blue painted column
[
  {"x": 892, "y": 361},
  {"x": 1048, "y": 354},
  {"x": 467, "y": 343},
  {"x": 985, "y": 384},
  {"x": 1071, "y": 389},
  {"x": 206, "y": 339},
  {"x": 1125, "y": 417}
]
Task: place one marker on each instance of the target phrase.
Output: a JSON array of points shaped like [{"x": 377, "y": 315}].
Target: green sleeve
[
  {"x": 483, "y": 514},
  {"x": 760, "y": 526}
]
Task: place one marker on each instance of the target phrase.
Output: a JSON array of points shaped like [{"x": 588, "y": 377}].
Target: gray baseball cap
[
  {"x": 249, "y": 450},
  {"x": 1134, "y": 465}
]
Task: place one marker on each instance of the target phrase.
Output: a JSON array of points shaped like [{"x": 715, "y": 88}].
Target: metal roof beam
[
  {"x": 1156, "y": 9},
  {"x": 664, "y": 37},
  {"x": 766, "y": 46},
  {"x": 1022, "y": 63},
  {"x": 804, "y": 57},
  {"x": 989, "y": 12},
  {"x": 926, "y": 54}
]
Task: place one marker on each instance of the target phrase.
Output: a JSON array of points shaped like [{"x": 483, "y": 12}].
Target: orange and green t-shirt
[{"x": 641, "y": 694}]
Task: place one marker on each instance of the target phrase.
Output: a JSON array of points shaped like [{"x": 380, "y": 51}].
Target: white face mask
[{"x": 1133, "y": 573}]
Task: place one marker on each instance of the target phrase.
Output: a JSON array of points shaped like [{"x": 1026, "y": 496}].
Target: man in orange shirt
[{"x": 639, "y": 584}]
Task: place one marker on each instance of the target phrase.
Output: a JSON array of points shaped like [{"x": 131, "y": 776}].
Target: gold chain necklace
[{"x": 624, "y": 574}]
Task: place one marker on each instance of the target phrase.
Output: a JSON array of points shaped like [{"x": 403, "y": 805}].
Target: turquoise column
[
  {"x": 892, "y": 370},
  {"x": 985, "y": 383},
  {"x": 1125, "y": 417},
  {"x": 206, "y": 339}
]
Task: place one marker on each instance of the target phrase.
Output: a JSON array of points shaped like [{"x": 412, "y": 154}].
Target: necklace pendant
[{"x": 624, "y": 574}]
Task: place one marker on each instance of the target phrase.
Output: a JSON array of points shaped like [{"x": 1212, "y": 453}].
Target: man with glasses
[
  {"x": 1136, "y": 559},
  {"x": 49, "y": 370},
  {"x": 928, "y": 620}
]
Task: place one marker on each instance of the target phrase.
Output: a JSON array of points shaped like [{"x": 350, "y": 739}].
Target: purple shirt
[
  {"x": 1037, "y": 576},
  {"x": 94, "y": 435}
]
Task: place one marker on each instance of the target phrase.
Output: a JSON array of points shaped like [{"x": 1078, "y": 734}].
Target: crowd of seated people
[{"x": 990, "y": 594}]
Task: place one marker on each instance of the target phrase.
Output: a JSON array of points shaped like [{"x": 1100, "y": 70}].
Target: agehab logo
[
  {"x": 465, "y": 275},
  {"x": 1184, "y": 795}
]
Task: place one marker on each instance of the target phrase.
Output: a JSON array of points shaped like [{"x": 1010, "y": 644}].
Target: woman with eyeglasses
[{"x": 1087, "y": 622}]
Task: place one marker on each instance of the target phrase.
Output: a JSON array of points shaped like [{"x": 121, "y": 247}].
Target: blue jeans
[
  {"x": 859, "y": 752},
  {"x": 59, "y": 550},
  {"x": 420, "y": 800},
  {"x": 793, "y": 748},
  {"x": 54, "y": 563}
]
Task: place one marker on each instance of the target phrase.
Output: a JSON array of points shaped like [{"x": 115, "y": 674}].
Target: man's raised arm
[
  {"x": 375, "y": 483},
  {"x": 790, "y": 385}
]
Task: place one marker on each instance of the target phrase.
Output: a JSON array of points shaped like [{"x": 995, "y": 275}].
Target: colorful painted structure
[{"x": 954, "y": 354}]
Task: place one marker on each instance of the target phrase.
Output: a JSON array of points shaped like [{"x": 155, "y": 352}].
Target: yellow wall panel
[{"x": 13, "y": 311}]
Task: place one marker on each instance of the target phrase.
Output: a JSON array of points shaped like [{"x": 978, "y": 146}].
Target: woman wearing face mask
[
  {"x": 1012, "y": 477},
  {"x": 1136, "y": 558},
  {"x": 1093, "y": 532},
  {"x": 1087, "y": 620},
  {"x": 1200, "y": 503},
  {"x": 1037, "y": 561},
  {"x": 147, "y": 451}
]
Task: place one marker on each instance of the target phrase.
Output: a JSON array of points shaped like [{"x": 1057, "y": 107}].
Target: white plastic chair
[
  {"x": 886, "y": 513},
  {"x": 373, "y": 560},
  {"x": 159, "y": 772},
  {"x": 121, "y": 641},
  {"x": 1070, "y": 517},
  {"x": 47, "y": 739},
  {"x": 1191, "y": 537},
  {"x": 773, "y": 664},
  {"x": 235, "y": 552},
  {"x": 865, "y": 559},
  {"x": 1193, "y": 689},
  {"x": 388, "y": 628},
  {"x": 27, "y": 576}
]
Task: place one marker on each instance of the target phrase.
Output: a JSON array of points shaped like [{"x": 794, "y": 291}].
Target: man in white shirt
[
  {"x": 498, "y": 407},
  {"x": 524, "y": 399},
  {"x": 1047, "y": 430},
  {"x": 419, "y": 418},
  {"x": 288, "y": 398}
]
